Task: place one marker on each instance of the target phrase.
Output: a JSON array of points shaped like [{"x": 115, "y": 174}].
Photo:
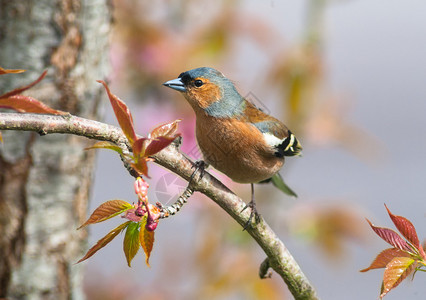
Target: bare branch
[{"x": 278, "y": 256}]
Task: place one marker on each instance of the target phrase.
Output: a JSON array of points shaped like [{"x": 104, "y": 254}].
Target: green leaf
[
  {"x": 107, "y": 210},
  {"x": 385, "y": 257},
  {"x": 105, "y": 240},
  {"x": 146, "y": 239},
  {"x": 278, "y": 181},
  {"x": 122, "y": 113},
  {"x": 106, "y": 145},
  {"x": 396, "y": 271},
  {"x": 131, "y": 242}
]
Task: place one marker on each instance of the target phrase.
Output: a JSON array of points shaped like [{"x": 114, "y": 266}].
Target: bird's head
[{"x": 208, "y": 90}]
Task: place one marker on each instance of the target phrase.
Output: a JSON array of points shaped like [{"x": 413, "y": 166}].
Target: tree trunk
[{"x": 45, "y": 181}]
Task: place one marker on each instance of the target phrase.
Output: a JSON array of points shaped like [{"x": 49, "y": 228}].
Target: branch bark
[{"x": 278, "y": 257}]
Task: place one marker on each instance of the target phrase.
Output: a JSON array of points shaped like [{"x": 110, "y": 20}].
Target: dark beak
[{"x": 175, "y": 84}]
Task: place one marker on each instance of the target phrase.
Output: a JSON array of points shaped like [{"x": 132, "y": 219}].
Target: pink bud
[
  {"x": 151, "y": 226},
  {"x": 138, "y": 185},
  {"x": 141, "y": 187},
  {"x": 140, "y": 211},
  {"x": 153, "y": 216}
]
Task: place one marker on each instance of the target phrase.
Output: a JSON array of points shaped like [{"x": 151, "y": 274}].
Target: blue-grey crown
[{"x": 231, "y": 104}]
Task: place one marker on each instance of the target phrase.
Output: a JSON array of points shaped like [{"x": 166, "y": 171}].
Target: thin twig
[
  {"x": 264, "y": 269},
  {"x": 167, "y": 211}
]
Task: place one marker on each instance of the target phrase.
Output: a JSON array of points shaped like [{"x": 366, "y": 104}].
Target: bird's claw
[
  {"x": 199, "y": 165},
  {"x": 253, "y": 213}
]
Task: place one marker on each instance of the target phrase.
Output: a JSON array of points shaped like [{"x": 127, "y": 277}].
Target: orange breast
[{"x": 236, "y": 148}]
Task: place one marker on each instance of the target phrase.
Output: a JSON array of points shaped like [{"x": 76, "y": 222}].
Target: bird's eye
[{"x": 198, "y": 83}]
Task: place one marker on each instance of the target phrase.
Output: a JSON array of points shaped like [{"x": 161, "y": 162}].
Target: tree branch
[{"x": 278, "y": 257}]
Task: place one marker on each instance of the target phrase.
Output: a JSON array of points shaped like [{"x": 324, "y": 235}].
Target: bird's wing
[{"x": 276, "y": 134}]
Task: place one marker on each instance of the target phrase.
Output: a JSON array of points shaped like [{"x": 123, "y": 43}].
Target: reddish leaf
[
  {"x": 1, "y": 138},
  {"x": 141, "y": 166},
  {"x": 10, "y": 71},
  {"x": 421, "y": 248},
  {"x": 107, "y": 210},
  {"x": 105, "y": 240},
  {"x": 131, "y": 242},
  {"x": 146, "y": 239},
  {"x": 158, "y": 144},
  {"x": 27, "y": 104},
  {"x": 406, "y": 228},
  {"x": 122, "y": 113},
  {"x": 106, "y": 145},
  {"x": 396, "y": 271},
  {"x": 385, "y": 257},
  {"x": 391, "y": 237},
  {"x": 132, "y": 216},
  {"x": 139, "y": 146},
  {"x": 165, "y": 130},
  {"x": 24, "y": 88}
]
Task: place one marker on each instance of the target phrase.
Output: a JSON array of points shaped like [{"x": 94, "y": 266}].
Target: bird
[{"x": 234, "y": 136}]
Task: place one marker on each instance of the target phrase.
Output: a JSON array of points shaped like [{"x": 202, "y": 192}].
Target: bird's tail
[{"x": 278, "y": 182}]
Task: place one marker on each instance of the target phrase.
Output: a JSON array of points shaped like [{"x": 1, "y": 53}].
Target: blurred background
[{"x": 347, "y": 77}]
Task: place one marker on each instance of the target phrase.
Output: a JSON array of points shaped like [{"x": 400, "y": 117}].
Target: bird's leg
[
  {"x": 252, "y": 205},
  {"x": 200, "y": 165}
]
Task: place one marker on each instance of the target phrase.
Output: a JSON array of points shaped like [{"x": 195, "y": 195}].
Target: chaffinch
[{"x": 235, "y": 137}]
